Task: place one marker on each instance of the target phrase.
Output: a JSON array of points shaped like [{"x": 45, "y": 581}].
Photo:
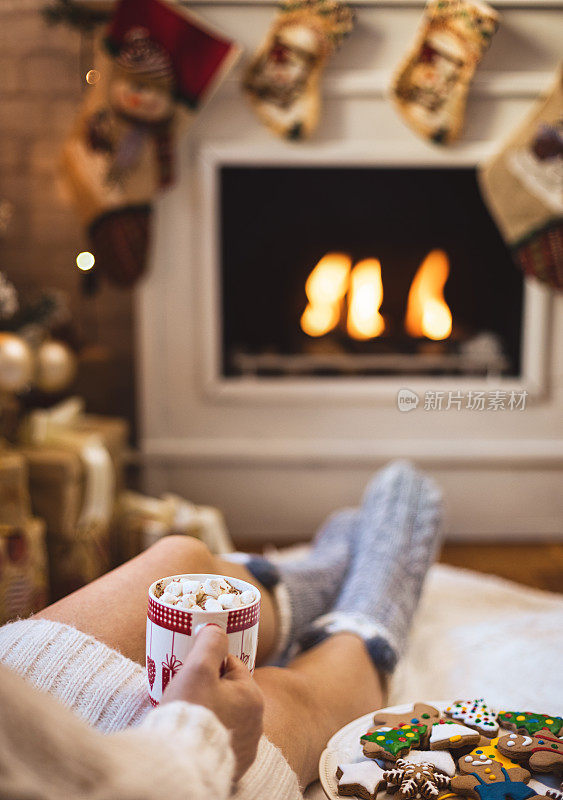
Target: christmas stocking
[
  {"x": 282, "y": 81},
  {"x": 523, "y": 188},
  {"x": 430, "y": 88},
  {"x": 158, "y": 64}
]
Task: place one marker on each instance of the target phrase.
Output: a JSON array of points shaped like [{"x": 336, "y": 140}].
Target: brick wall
[{"x": 40, "y": 89}]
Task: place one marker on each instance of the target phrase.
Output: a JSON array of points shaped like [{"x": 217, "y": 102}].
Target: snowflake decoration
[{"x": 416, "y": 780}]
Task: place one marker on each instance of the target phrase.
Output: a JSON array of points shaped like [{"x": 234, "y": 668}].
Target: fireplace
[
  {"x": 353, "y": 273},
  {"x": 363, "y": 271}
]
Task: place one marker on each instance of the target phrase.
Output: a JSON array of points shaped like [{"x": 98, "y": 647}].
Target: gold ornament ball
[
  {"x": 16, "y": 363},
  {"x": 55, "y": 366}
]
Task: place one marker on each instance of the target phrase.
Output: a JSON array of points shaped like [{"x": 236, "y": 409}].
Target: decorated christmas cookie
[
  {"x": 416, "y": 780},
  {"x": 441, "y": 760},
  {"x": 489, "y": 768},
  {"x": 542, "y": 752},
  {"x": 492, "y": 781},
  {"x": 490, "y": 750},
  {"x": 421, "y": 714},
  {"x": 530, "y": 723},
  {"x": 363, "y": 780},
  {"x": 450, "y": 735},
  {"x": 475, "y": 714},
  {"x": 392, "y": 743}
]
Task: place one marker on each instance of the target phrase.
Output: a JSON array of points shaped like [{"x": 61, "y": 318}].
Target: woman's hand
[{"x": 212, "y": 678}]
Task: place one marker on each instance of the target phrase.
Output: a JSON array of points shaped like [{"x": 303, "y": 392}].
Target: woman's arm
[{"x": 46, "y": 752}]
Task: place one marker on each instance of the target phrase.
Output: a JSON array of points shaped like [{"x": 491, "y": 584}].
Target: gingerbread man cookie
[
  {"x": 542, "y": 752},
  {"x": 490, "y": 750},
  {"x": 392, "y": 743},
  {"x": 450, "y": 735},
  {"x": 421, "y": 714},
  {"x": 416, "y": 780},
  {"x": 492, "y": 781},
  {"x": 489, "y": 768},
  {"x": 529, "y": 722},
  {"x": 363, "y": 780},
  {"x": 475, "y": 714}
]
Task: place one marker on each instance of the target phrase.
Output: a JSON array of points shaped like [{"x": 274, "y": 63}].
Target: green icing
[
  {"x": 532, "y": 723},
  {"x": 396, "y": 739}
]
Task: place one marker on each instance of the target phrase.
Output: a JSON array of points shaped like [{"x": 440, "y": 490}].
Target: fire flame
[
  {"x": 427, "y": 311},
  {"x": 325, "y": 289},
  {"x": 364, "y": 300}
]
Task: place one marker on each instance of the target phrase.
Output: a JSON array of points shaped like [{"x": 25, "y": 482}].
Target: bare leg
[
  {"x": 319, "y": 692},
  {"x": 113, "y": 608}
]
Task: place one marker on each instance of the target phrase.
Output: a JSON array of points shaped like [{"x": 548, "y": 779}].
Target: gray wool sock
[
  {"x": 395, "y": 543},
  {"x": 306, "y": 588}
]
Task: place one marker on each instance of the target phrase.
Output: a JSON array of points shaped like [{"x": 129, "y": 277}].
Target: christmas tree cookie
[
  {"x": 475, "y": 714},
  {"x": 529, "y": 722},
  {"x": 392, "y": 743}
]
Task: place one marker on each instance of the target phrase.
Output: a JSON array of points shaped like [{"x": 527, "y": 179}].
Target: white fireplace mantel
[{"x": 277, "y": 459}]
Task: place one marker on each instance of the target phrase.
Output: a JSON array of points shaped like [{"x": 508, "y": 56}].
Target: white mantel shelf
[{"x": 516, "y": 454}]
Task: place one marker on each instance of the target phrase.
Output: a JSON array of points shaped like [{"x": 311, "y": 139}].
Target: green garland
[{"x": 76, "y": 15}]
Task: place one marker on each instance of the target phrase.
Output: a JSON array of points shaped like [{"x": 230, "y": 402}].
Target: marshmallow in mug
[{"x": 212, "y": 594}]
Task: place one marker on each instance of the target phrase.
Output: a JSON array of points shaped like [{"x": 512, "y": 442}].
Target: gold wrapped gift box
[
  {"x": 79, "y": 546},
  {"x": 23, "y": 569}
]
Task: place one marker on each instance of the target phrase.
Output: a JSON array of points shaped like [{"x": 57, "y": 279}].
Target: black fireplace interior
[{"x": 277, "y": 222}]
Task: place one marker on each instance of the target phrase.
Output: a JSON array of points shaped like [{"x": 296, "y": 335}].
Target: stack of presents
[{"x": 65, "y": 518}]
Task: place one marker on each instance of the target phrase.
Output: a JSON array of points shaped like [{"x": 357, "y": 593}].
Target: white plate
[{"x": 345, "y": 748}]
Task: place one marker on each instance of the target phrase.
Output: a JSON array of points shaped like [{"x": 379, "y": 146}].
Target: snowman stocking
[
  {"x": 430, "y": 88},
  {"x": 157, "y": 67},
  {"x": 282, "y": 81}
]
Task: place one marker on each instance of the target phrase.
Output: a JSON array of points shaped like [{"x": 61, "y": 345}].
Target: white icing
[
  {"x": 486, "y": 715},
  {"x": 468, "y": 759},
  {"x": 440, "y": 759},
  {"x": 510, "y": 744},
  {"x": 444, "y": 731},
  {"x": 366, "y": 773},
  {"x": 481, "y": 760},
  {"x": 526, "y": 740}
]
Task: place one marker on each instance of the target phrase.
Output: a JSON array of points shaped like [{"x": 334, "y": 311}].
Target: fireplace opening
[{"x": 345, "y": 271}]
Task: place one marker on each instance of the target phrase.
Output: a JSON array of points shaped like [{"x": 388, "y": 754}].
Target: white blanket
[{"x": 477, "y": 635}]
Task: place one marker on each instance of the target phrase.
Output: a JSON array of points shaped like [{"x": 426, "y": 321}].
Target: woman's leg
[
  {"x": 113, "y": 608},
  {"x": 315, "y": 695}
]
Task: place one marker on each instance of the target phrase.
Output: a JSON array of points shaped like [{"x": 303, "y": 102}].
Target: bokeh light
[
  {"x": 85, "y": 261},
  {"x": 93, "y": 76}
]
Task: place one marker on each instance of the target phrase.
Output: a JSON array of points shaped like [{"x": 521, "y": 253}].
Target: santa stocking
[
  {"x": 157, "y": 67},
  {"x": 282, "y": 81},
  {"x": 523, "y": 187},
  {"x": 430, "y": 88}
]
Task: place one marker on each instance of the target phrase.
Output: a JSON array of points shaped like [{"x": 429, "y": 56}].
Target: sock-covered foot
[
  {"x": 306, "y": 588},
  {"x": 397, "y": 536}
]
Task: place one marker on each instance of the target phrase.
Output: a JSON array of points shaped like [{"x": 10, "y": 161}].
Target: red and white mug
[{"x": 171, "y": 632}]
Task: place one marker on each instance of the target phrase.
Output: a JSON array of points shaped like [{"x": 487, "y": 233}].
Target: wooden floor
[{"x": 538, "y": 564}]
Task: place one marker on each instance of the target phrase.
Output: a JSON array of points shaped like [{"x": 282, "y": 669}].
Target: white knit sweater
[{"x": 47, "y": 752}]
